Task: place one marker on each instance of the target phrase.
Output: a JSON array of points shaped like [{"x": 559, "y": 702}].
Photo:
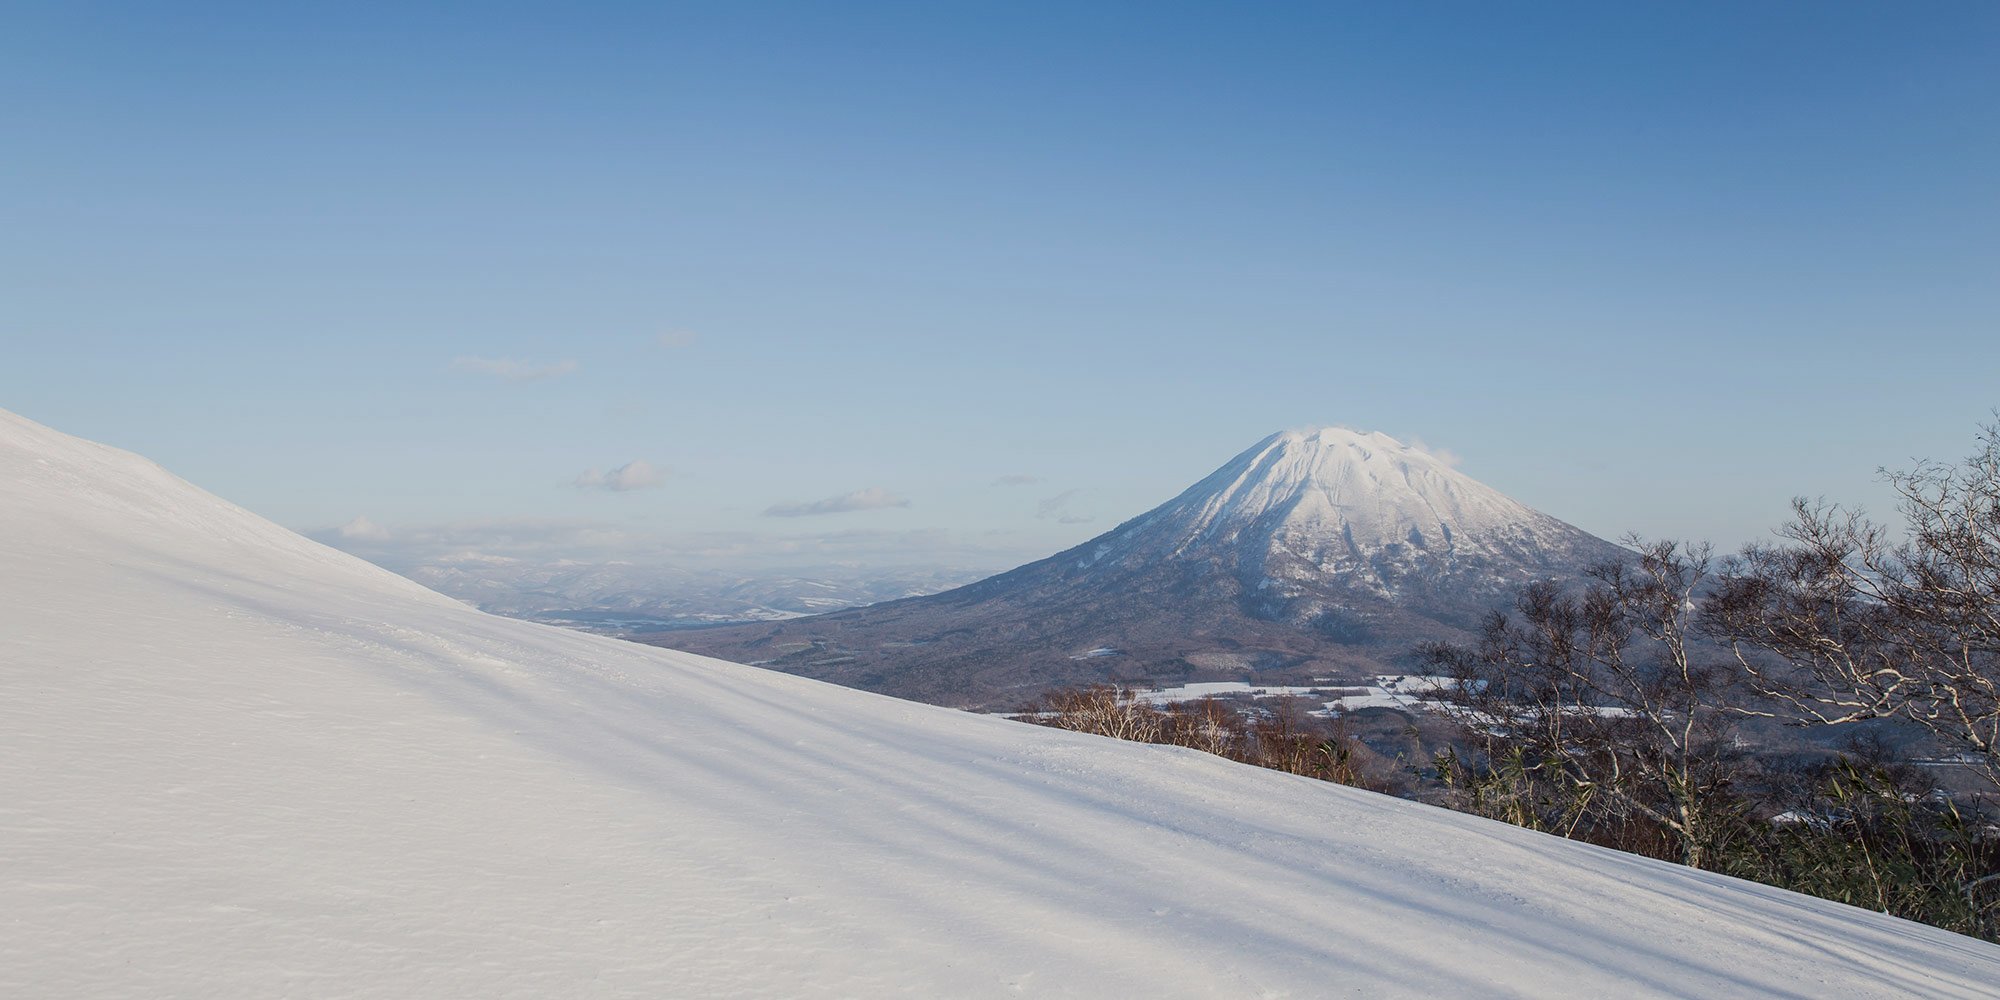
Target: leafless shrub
[
  {"x": 1284, "y": 738},
  {"x": 1104, "y": 710}
]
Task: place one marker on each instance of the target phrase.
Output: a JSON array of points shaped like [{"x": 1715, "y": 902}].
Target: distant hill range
[
  {"x": 1325, "y": 553},
  {"x": 620, "y": 599}
]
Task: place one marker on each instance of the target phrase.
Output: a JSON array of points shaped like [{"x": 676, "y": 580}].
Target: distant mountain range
[
  {"x": 621, "y": 598},
  {"x": 1325, "y": 553}
]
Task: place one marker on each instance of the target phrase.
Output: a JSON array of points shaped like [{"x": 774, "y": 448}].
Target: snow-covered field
[
  {"x": 1409, "y": 692},
  {"x": 1218, "y": 689},
  {"x": 240, "y": 764},
  {"x": 1406, "y": 692}
]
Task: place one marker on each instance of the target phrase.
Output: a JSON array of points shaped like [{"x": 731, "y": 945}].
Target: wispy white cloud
[
  {"x": 674, "y": 340},
  {"x": 1017, "y": 480},
  {"x": 512, "y": 370},
  {"x": 1442, "y": 454},
  {"x": 637, "y": 474},
  {"x": 872, "y": 498},
  {"x": 363, "y": 530},
  {"x": 1056, "y": 508}
]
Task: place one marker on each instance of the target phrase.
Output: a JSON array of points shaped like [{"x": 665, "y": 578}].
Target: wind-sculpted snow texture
[
  {"x": 239, "y": 764},
  {"x": 1314, "y": 554}
]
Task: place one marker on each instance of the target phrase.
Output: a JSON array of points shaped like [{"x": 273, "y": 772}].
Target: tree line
[{"x": 1820, "y": 713}]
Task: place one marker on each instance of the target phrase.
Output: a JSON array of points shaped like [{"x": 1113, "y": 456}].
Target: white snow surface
[{"x": 239, "y": 764}]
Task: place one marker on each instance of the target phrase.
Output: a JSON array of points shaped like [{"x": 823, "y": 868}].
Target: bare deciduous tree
[
  {"x": 1597, "y": 705},
  {"x": 1105, "y": 710},
  {"x": 1843, "y": 623}
]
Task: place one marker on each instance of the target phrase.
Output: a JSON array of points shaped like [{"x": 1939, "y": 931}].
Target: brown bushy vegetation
[{"x": 1283, "y": 738}]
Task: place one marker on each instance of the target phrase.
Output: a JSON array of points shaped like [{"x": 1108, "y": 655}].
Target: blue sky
[{"x": 1652, "y": 267}]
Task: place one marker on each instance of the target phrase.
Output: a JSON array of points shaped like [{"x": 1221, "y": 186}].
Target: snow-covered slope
[{"x": 234, "y": 763}]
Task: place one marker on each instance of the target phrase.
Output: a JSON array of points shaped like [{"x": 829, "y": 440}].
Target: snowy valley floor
[{"x": 239, "y": 764}]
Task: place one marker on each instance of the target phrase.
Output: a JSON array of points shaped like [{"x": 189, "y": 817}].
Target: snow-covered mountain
[
  {"x": 240, "y": 764},
  {"x": 1315, "y": 553},
  {"x": 1306, "y": 512}
]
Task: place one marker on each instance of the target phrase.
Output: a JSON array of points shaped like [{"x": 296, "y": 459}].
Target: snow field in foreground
[{"x": 238, "y": 764}]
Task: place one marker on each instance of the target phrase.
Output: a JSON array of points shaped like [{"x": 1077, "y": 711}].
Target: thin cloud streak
[
  {"x": 512, "y": 370},
  {"x": 1056, "y": 508},
  {"x": 586, "y": 542},
  {"x": 872, "y": 498}
]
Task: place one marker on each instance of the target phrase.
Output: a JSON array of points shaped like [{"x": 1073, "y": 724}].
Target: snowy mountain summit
[
  {"x": 240, "y": 764},
  {"x": 1332, "y": 506},
  {"x": 1316, "y": 553},
  {"x": 1330, "y": 492}
]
